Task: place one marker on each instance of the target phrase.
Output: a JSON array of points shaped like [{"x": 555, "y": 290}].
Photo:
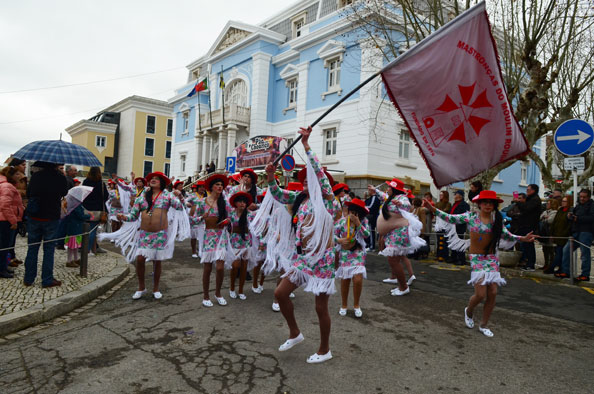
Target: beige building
[{"x": 133, "y": 135}]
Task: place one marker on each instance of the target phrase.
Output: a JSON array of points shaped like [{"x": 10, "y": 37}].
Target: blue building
[{"x": 283, "y": 74}]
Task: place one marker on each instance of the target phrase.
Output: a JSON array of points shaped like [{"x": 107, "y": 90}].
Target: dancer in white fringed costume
[
  {"x": 155, "y": 221},
  {"x": 487, "y": 234},
  {"x": 350, "y": 233},
  {"x": 313, "y": 257},
  {"x": 400, "y": 231},
  {"x": 198, "y": 194}
]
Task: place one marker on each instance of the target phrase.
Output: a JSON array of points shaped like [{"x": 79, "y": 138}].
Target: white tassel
[
  {"x": 126, "y": 238},
  {"x": 260, "y": 221},
  {"x": 486, "y": 278},
  {"x": 348, "y": 272},
  {"x": 454, "y": 242},
  {"x": 124, "y": 199}
]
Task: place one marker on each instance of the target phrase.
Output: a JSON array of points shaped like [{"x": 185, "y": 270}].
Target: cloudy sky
[{"x": 64, "y": 42}]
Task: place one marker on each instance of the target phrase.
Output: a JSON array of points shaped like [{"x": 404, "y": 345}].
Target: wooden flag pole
[{"x": 342, "y": 100}]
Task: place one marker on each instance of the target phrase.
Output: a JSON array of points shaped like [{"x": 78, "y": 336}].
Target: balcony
[{"x": 233, "y": 114}]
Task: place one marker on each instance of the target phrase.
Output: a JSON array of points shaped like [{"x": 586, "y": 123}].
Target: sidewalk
[{"x": 22, "y": 306}]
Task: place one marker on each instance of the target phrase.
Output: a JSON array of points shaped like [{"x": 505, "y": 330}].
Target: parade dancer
[
  {"x": 340, "y": 191},
  {"x": 198, "y": 193},
  {"x": 240, "y": 242},
  {"x": 156, "y": 234},
  {"x": 214, "y": 211},
  {"x": 400, "y": 231},
  {"x": 313, "y": 258},
  {"x": 350, "y": 233},
  {"x": 487, "y": 233},
  {"x": 247, "y": 184},
  {"x": 116, "y": 204},
  {"x": 259, "y": 256}
]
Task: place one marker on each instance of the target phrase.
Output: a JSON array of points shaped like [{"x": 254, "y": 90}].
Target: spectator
[
  {"x": 71, "y": 172},
  {"x": 95, "y": 202},
  {"x": 475, "y": 188},
  {"x": 20, "y": 165},
  {"x": 11, "y": 212},
  {"x": 443, "y": 205},
  {"x": 211, "y": 168},
  {"x": 372, "y": 203},
  {"x": 74, "y": 227},
  {"x": 545, "y": 225},
  {"x": 558, "y": 195},
  {"x": 45, "y": 192},
  {"x": 581, "y": 218},
  {"x": 460, "y": 206},
  {"x": 527, "y": 223},
  {"x": 560, "y": 230},
  {"x": 421, "y": 214}
]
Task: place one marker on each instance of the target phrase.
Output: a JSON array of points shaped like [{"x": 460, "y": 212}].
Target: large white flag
[{"x": 449, "y": 90}]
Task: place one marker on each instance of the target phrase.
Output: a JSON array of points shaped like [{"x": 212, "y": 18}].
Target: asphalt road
[{"x": 543, "y": 342}]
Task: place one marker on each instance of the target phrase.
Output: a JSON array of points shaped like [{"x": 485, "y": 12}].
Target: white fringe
[
  {"x": 454, "y": 242},
  {"x": 349, "y": 272},
  {"x": 154, "y": 254},
  {"x": 259, "y": 223},
  {"x": 486, "y": 278},
  {"x": 220, "y": 252},
  {"x": 321, "y": 229},
  {"x": 312, "y": 284},
  {"x": 124, "y": 198},
  {"x": 126, "y": 238}
]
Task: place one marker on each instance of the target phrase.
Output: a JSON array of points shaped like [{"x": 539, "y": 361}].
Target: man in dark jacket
[
  {"x": 582, "y": 220},
  {"x": 528, "y": 222},
  {"x": 460, "y": 206},
  {"x": 45, "y": 192},
  {"x": 372, "y": 203}
]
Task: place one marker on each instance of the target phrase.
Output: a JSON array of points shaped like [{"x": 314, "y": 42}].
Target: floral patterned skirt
[
  {"x": 152, "y": 245},
  {"x": 485, "y": 270},
  {"x": 214, "y": 246},
  {"x": 398, "y": 243},
  {"x": 351, "y": 263},
  {"x": 317, "y": 277}
]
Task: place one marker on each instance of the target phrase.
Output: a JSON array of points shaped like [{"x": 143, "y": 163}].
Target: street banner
[
  {"x": 450, "y": 92},
  {"x": 259, "y": 151}
]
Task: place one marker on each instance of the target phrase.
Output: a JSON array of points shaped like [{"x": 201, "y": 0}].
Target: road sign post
[{"x": 230, "y": 164}]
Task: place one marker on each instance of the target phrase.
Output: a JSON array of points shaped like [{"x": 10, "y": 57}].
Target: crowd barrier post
[
  {"x": 572, "y": 258},
  {"x": 84, "y": 255}
]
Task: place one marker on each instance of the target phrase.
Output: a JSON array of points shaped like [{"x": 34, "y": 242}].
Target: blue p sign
[{"x": 230, "y": 167}]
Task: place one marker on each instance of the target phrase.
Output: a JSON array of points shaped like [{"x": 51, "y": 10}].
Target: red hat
[
  {"x": 409, "y": 194},
  {"x": 487, "y": 195},
  {"x": 197, "y": 184},
  {"x": 111, "y": 181},
  {"x": 247, "y": 196},
  {"x": 397, "y": 184},
  {"x": 339, "y": 186},
  {"x": 216, "y": 178},
  {"x": 357, "y": 203},
  {"x": 76, "y": 181},
  {"x": 251, "y": 172},
  {"x": 160, "y": 175},
  {"x": 140, "y": 179},
  {"x": 295, "y": 187},
  {"x": 235, "y": 177},
  {"x": 302, "y": 174},
  {"x": 177, "y": 183},
  {"x": 261, "y": 196}
]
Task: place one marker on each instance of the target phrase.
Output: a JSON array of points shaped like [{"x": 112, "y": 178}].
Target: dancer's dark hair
[
  {"x": 221, "y": 205},
  {"x": 243, "y": 222},
  {"x": 148, "y": 195},
  {"x": 496, "y": 230},
  {"x": 385, "y": 212},
  {"x": 298, "y": 201}
]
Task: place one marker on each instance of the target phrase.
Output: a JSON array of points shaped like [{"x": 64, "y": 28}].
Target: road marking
[
  {"x": 589, "y": 290},
  {"x": 446, "y": 268},
  {"x": 536, "y": 280}
]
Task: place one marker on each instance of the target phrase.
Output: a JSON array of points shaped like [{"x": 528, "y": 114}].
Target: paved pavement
[{"x": 417, "y": 343}]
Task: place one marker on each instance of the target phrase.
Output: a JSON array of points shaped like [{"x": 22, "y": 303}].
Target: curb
[{"x": 51, "y": 309}]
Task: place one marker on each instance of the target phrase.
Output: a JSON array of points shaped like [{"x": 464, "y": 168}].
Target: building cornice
[
  {"x": 288, "y": 12},
  {"x": 92, "y": 126},
  {"x": 145, "y": 104},
  {"x": 285, "y": 57}
]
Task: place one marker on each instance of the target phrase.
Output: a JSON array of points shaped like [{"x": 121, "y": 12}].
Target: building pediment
[
  {"x": 331, "y": 48},
  {"x": 232, "y": 36},
  {"x": 289, "y": 71}
]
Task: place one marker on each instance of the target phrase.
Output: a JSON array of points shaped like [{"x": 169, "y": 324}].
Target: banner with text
[{"x": 259, "y": 151}]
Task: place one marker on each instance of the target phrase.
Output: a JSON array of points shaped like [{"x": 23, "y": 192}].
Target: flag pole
[
  {"x": 199, "y": 122},
  {"x": 222, "y": 86},
  {"x": 209, "y": 107},
  {"x": 315, "y": 122}
]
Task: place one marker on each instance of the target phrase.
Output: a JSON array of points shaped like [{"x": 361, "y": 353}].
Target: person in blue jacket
[{"x": 74, "y": 228}]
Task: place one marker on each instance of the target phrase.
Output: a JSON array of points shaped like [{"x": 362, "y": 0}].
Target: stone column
[
  {"x": 302, "y": 92},
  {"x": 211, "y": 148},
  {"x": 206, "y": 150},
  {"x": 199, "y": 144},
  {"x": 260, "y": 81},
  {"x": 231, "y": 137},
  {"x": 222, "y": 149}
]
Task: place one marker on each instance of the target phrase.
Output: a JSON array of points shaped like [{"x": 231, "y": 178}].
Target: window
[
  {"x": 186, "y": 123},
  {"x": 289, "y": 142},
  {"x": 297, "y": 25},
  {"x": 524, "y": 173},
  {"x": 333, "y": 74},
  {"x": 150, "y": 124},
  {"x": 182, "y": 164},
  {"x": 148, "y": 168},
  {"x": 292, "y": 93},
  {"x": 169, "y": 127},
  {"x": 404, "y": 144},
  {"x": 330, "y": 142},
  {"x": 236, "y": 93},
  {"x": 168, "y": 150},
  {"x": 100, "y": 141},
  {"x": 167, "y": 169},
  {"x": 149, "y": 147},
  {"x": 344, "y": 3}
]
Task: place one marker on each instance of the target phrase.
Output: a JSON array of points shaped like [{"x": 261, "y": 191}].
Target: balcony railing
[{"x": 233, "y": 114}]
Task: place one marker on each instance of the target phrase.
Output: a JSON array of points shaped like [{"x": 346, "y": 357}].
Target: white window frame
[
  {"x": 154, "y": 147},
  {"x": 523, "y": 173},
  {"x": 291, "y": 75},
  {"x": 296, "y": 28},
  {"x": 183, "y": 157},
  {"x": 146, "y": 131},
  {"x": 144, "y": 165},
  {"x": 186, "y": 119},
  {"x": 404, "y": 145},
  {"x": 168, "y": 130},
  {"x": 333, "y": 139},
  {"x": 332, "y": 53},
  {"x": 100, "y": 147}
]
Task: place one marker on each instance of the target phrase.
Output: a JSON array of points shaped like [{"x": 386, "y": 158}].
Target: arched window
[{"x": 237, "y": 93}]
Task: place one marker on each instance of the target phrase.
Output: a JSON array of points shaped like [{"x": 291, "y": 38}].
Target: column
[
  {"x": 206, "y": 151},
  {"x": 222, "y": 148},
  {"x": 260, "y": 81},
  {"x": 199, "y": 144},
  {"x": 210, "y": 149},
  {"x": 302, "y": 92},
  {"x": 231, "y": 137}
]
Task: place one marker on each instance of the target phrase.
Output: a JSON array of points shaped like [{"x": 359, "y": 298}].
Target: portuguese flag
[{"x": 199, "y": 87}]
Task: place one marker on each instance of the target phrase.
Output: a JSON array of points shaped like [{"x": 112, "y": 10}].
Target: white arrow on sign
[{"x": 580, "y": 136}]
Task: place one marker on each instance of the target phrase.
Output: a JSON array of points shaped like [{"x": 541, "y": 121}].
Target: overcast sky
[{"x": 60, "y": 42}]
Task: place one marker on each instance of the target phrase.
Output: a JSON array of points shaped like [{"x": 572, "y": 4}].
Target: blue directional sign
[
  {"x": 288, "y": 163},
  {"x": 574, "y": 137},
  {"x": 230, "y": 166}
]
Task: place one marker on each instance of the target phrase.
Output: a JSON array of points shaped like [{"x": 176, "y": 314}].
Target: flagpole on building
[
  {"x": 315, "y": 122},
  {"x": 209, "y": 107},
  {"x": 222, "y": 86},
  {"x": 199, "y": 122}
]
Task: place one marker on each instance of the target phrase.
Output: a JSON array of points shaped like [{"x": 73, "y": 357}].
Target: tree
[{"x": 546, "y": 49}]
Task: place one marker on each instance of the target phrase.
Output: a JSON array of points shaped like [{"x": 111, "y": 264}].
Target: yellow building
[{"x": 133, "y": 135}]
